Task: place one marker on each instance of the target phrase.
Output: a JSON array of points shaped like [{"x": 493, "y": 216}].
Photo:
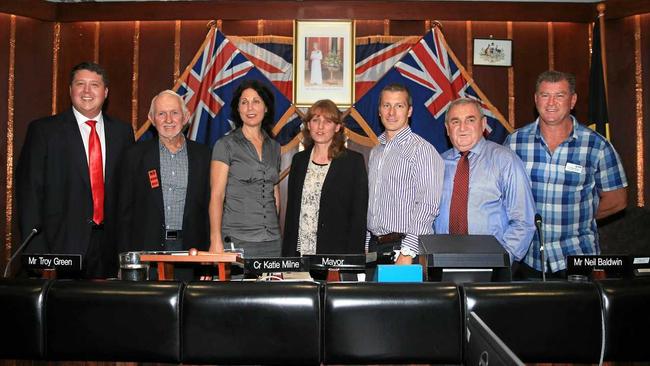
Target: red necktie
[
  {"x": 96, "y": 173},
  {"x": 458, "y": 207}
]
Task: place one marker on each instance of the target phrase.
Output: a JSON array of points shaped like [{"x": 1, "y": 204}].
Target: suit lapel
[
  {"x": 302, "y": 169},
  {"x": 191, "y": 177},
  {"x": 76, "y": 147},
  {"x": 330, "y": 177},
  {"x": 151, "y": 162},
  {"x": 111, "y": 138}
]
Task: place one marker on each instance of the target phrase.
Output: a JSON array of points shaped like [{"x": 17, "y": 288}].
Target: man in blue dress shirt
[{"x": 499, "y": 197}]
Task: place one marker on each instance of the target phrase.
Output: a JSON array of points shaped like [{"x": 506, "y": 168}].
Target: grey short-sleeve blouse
[{"x": 249, "y": 211}]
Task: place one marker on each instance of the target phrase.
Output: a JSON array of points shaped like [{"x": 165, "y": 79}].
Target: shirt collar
[
  {"x": 400, "y": 137},
  {"x": 572, "y": 135},
  {"x": 239, "y": 134},
  {"x": 164, "y": 148},
  {"x": 81, "y": 119},
  {"x": 475, "y": 150}
]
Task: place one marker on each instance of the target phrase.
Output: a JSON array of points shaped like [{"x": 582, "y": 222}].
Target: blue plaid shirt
[{"x": 566, "y": 186}]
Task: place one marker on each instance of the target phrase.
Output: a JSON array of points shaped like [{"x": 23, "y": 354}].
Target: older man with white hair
[{"x": 165, "y": 185}]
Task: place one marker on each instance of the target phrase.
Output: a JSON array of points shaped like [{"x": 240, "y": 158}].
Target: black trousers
[{"x": 101, "y": 259}]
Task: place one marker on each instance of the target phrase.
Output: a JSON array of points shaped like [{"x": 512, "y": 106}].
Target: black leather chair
[
  {"x": 251, "y": 323},
  {"x": 627, "y": 319},
  {"x": 113, "y": 321},
  {"x": 22, "y": 318},
  {"x": 392, "y": 323},
  {"x": 542, "y": 322}
]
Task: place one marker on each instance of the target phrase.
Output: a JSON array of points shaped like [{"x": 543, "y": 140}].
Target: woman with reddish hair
[{"x": 327, "y": 190}]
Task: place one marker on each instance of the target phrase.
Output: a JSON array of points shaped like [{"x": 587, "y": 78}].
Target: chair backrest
[
  {"x": 22, "y": 318},
  {"x": 114, "y": 321},
  {"x": 391, "y": 323},
  {"x": 542, "y": 322},
  {"x": 627, "y": 319},
  {"x": 251, "y": 323}
]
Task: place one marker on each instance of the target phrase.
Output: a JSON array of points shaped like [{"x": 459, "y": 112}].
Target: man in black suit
[
  {"x": 165, "y": 185},
  {"x": 65, "y": 179}
]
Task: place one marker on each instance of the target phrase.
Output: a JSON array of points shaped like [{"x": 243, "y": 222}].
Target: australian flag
[
  {"x": 434, "y": 79},
  {"x": 208, "y": 86}
]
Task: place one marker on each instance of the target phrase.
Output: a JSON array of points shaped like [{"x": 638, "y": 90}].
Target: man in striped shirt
[{"x": 405, "y": 174}]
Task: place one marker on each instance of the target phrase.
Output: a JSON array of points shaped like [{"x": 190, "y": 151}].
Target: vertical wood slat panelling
[
  {"x": 492, "y": 80},
  {"x": 135, "y": 72},
  {"x": 239, "y": 27},
  {"x": 116, "y": 55},
  {"x": 56, "y": 45},
  {"x": 369, "y": 27},
  {"x": 511, "y": 85},
  {"x": 34, "y": 55},
  {"x": 469, "y": 47},
  {"x": 156, "y": 63},
  {"x": 77, "y": 45},
  {"x": 278, "y": 27},
  {"x": 33, "y": 80},
  {"x": 622, "y": 102},
  {"x": 643, "y": 127},
  {"x": 4, "y": 76},
  {"x": 193, "y": 33},
  {"x": 572, "y": 55},
  {"x": 96, "y": 34},
  {"x": 455, "y": 33},
  {"x": 177, "y": 50},
  {"x": 550, "y": 46},
  {"x": 406, "y": 27},
  {"x": 530, "y": 58},
  {"x": 7, "y": 142}
]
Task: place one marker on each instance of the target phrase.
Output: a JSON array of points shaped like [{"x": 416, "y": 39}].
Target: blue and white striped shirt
[
  {"x": 566, "y": 185},
  {"x": 405, "y": 182}
]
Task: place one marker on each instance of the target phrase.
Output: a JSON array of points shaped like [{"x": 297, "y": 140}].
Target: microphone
[
  {"x": 22, "y": 246},
  {"x": 540, "y": 234}
]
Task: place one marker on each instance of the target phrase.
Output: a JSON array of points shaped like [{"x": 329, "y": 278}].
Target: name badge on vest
[{"x": 573, "y": 168}]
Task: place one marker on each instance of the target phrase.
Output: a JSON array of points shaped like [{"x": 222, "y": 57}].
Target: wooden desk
[{"x": 166, "y": 262}]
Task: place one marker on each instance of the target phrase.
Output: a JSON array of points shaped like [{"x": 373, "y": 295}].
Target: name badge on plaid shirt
[{"x": 574, "y": 168}]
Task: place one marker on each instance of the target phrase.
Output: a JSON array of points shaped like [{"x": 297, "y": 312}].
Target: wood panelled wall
[{"x": 142, "y": 58}]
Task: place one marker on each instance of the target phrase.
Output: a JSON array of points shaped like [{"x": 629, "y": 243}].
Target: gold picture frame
[{"x": 323, "y": 62}]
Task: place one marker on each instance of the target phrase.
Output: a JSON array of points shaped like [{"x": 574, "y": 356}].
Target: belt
[
  {"x": 173, "y": 234},
  {"x": 388, "y": 238}
]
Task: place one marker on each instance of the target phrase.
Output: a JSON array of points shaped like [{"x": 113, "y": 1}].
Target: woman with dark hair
[
  {"x": 327, "y": 191},
  {"x": 244, "y": 173}
]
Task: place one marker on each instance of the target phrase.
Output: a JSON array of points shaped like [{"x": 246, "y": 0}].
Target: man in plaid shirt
[{"x": 576, "y": 175}]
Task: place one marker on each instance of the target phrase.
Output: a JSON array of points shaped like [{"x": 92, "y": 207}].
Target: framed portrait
[
  {"x": 323, "y": 62},
  {"x": 492, "y": 52}
]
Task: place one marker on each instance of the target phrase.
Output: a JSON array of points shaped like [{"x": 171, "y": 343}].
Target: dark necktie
[
  {"x": 458, "y": 207},
  {"x": 96, "y": 173}
]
